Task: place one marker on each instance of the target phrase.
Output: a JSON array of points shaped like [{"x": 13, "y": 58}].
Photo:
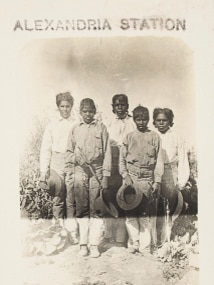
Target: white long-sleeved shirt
[
  {"x": 55, "y": 139},
  {"x": 174, "y": 152},
  {"x": 119, "y": 128}
]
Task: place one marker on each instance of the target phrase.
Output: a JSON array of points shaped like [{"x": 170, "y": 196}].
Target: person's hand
[
  {"x": 79, "y": 158},
  {"x": 44, "y": 176},
  {"x": 156, "y": 188},
  {"x": 128, "y": 181},
  {"x": 105, "y": 182},
  {"x": 186, "y": 187},
  {"x": 43, "y": 185},
  {"x": 43, "y": 180}
]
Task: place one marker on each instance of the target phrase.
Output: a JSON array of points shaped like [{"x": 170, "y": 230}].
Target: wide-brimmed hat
[
  {"x": 53, "y": 184},
  {"x": 103, "y": 206},
  {"x": 129, "y": 197},
  {"x": 179, "y": 206}
]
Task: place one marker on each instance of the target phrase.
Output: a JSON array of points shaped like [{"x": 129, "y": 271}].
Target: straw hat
[
  {"x": 129, "y": 197},
  {"x": 103, "y": 206},
  {"x": 53, "y": 184}
]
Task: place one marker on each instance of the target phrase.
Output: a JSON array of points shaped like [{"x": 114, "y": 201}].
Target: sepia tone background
[
  {"x": 17, "y": 109},
  {"x": 154, "y": 72}
]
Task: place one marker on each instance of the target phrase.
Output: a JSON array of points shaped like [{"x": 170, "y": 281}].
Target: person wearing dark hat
[
  {"x": 119, "y": 127},
  {"x": 141, "y": 167},
  {"x": 53, "y": 147},
  {"x": 176, "y": 166},
  {"x": 89, "y": 154}
]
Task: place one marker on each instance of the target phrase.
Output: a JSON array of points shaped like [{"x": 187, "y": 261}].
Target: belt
[
  {"x": 170, "y": 164},
  {"x": 140, "y": 172}
]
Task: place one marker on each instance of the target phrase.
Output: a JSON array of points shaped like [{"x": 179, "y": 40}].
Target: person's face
[
  {"x": 87, "y": 114},
  {"x": 162, "y": 123},
  {"x": 141, "y": 122},
  {"x": 65, "y": 109},
  {"x": 120, "y": 108}
]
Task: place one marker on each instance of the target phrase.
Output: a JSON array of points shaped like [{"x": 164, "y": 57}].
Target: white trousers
[
  {"x": 72, "y": 226},
  {"x": 90, "y": 230},
  {"x": 139, "y": 231}
]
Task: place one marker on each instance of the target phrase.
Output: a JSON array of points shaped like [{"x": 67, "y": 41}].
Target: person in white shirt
[
  {"x": 118, "y": 128},
  {"x": 176, "y": 164},
  {"x": 52, "y": 154}
]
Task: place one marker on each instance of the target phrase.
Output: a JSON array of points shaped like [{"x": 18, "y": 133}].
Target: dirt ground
[{"x": 115, "y": 266}]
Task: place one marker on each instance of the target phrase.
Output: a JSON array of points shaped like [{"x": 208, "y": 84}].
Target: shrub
[{"x": 34, "y": 202}]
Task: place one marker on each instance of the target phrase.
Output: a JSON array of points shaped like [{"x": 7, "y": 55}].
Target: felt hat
[
  {"x": 129, "y": 197},
  {"x": 103, "y": 206},
  {"x": 53, "y": 184}
]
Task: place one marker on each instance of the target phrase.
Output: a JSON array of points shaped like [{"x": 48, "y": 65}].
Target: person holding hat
[
  {"x": 52, "y": 154},
  {"x": 119, "y": 127},
  {"x": 89, "y": 154},
  {"x": 141, "y": 167},
  {"x": 176, "y": 166}
]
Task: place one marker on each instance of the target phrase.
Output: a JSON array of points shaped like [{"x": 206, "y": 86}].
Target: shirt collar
[
  {"x": 94, "y": 122},
  {"x": 124, "y": 119},
  {"x": 167, "y": 132},
  {"x": 69, "y": 119}
]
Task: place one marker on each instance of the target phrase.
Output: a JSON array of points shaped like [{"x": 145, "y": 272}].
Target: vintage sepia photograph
[
  {"x": 106, "y": 142},
  {"x": 108, "y": 163}
]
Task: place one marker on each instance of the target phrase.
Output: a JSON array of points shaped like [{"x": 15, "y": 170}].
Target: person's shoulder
[
  {"x": 100, "y": 124},
  {"x": 129, "y": 118},
  {"x": 154, "y": 134},
  {"x": 176, "y": 136},
  {"x": 132, "y": 134},
  {"x": 76, "y": 124},
  {"x": 50, "y": 125}
]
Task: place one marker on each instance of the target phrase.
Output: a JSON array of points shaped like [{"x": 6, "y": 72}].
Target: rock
[
  {"x": 61, "y": 245},
  {"x": 63, "y": 233},
  {"x": 191, "y": 278},
  {"x": 121, "y": 282},
  {"x": 164, "y": 251},
  {"x": 55, "y": 240}
]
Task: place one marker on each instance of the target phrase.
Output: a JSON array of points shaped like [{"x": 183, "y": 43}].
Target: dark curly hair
[
  {"x": 121, "y": 98},
  {"x": 87, "y": 102},
  {"x": 166, "y": 111},
  {"x": 139, "y": 111},
  {"x": 65, "y": 96}
]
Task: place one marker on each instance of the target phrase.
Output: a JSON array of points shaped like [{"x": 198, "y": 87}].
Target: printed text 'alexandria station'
[{"x": 167, "y": 24}]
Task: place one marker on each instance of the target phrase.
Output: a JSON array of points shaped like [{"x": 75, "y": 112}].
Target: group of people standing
[{"x": 136, "y": 168}]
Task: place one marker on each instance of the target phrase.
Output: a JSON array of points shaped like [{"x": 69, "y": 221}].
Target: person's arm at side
[
  {"x": 69, "y": 154},
  {"x": 159, "y": 167},
  {"x": 123, "y": 164},
  {"x": 45, "y": 153},
  {"x": 107, "y": 161},
  {"x": 183, "y": 164}
]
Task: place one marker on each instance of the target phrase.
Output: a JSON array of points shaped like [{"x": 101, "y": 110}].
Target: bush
[{"x": 34, "y": 202}]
